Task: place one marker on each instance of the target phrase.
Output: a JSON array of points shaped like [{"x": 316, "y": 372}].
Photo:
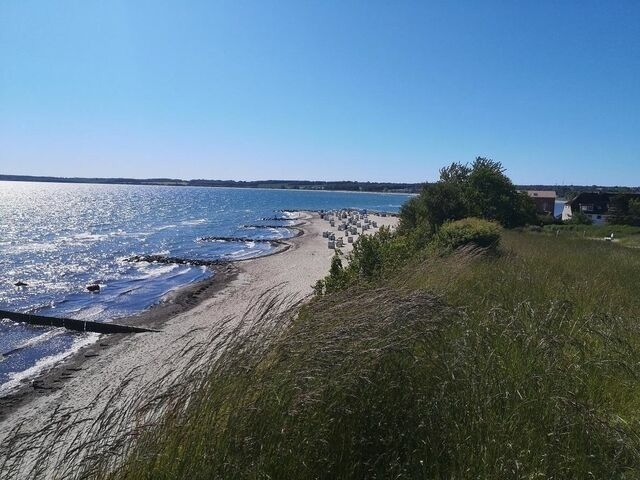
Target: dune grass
[
  {"x": 521, "y": 364},
  {"x": 625, "y": 235}
]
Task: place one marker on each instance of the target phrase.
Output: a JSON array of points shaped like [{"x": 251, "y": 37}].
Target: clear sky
[{"x": 327, "y": 90}]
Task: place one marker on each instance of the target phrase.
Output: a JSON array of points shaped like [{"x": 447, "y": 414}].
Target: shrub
[
  {"x": 381, "y": 252},
  {"x": 625, "y": 210},
  {"x": 412, "y": 214},
  {"x": 580, "y": 218},
  {"x": 482, "y": 233},
  {"x": 372, "y": 257},
  {"x": 543, "y": 220},
  {"x": 338, "y": 278}
]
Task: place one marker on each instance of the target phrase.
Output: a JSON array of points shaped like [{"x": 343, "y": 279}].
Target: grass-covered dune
[
  {"x": 450, "y": 349},
  {"x": 626, "y": 235},
  {"x": 521, "y": 361}
]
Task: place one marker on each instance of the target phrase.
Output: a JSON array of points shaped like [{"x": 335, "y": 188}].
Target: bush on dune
[
  {"x": 372, "y": 257},
  {"x": 469, "y": 231}
]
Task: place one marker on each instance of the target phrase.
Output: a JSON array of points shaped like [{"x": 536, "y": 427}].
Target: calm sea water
[{"x": 58, "y": 238}]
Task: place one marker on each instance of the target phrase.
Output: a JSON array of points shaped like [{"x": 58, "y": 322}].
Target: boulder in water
[{"x": 93, "y": 287}]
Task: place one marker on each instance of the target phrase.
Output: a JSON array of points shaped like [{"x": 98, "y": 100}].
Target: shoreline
[
  {"x": 54, "y": 377},
  {"x": 100, "y": 399},
  {"x": 176, "y": 302}
]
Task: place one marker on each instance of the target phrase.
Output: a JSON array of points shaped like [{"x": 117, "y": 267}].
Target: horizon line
[{"x": 161, "y": 181}]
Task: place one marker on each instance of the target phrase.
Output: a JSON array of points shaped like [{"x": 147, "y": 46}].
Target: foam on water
[
  {"x": 151, "y": 270},
  {"x": 45, "y": 363},
  {"x": 90, "y": 237},
  {"x": 199, "y": 221}
]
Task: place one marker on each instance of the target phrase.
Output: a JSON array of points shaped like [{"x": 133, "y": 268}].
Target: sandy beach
[{"x": 101, "y": 380}]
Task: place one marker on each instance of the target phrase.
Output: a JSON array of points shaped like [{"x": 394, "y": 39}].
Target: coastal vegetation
[
  {"x": 481, "y": 190},
  {"x": 456, "y": 347},
  {"x": 624, "y": 235},
  {"x": 625, "y": 210}
]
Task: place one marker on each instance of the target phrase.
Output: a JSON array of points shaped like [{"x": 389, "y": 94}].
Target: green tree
[
  {"x": 337, "y": 279},
  {"x": 492, "y": 195},
  {"x": 634, "y": 207},
  {"x": 412, "y": 214},
  {"x": 625, "y": 210},
  {"x": 445, "y": 201},
  {"x": 481, "y": 190}
]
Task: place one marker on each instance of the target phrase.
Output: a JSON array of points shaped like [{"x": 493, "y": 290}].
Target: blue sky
[{"x": 361, "y": 90}]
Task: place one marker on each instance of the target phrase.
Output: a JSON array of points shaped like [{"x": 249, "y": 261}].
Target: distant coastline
[
  {"x": 565, "y": 192},
  {"x": 346, "y": 186}
]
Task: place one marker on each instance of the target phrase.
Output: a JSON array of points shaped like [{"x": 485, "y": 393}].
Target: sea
[{"x": 57, "y": 238}]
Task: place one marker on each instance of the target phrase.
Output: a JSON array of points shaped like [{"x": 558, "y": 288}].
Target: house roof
[
  {"x": 588, "y": 198},
  {"x": 541, "y": 193}
]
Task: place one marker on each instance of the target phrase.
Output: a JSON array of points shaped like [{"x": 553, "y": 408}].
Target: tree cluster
[
  {"x": 625, "y": 210},
  {"x": 480, "y": 190}
]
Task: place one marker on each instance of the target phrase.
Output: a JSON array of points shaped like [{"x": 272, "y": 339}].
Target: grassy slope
[
  {"x": 625, "y": 235},
  {"x": 522, "y": 365}
]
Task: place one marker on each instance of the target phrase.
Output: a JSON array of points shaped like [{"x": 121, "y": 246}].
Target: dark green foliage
[
  {"x": 521, "y": 212},
  {"x": 580, "y": 218},
  {"x": 412, "y": 213},
  {"x": 370, "y": 252},
  {"x": 371, "y": 257},
  {"x": 445, "y": 201},
  {"x": 470, "y": 231},
  {"x": 413, "y": 224},
  {"x": 337, "y": 279},
  {"x": 625, "y": 210},
  {"x": 543, "y": 220},
  {"x": 481, "y": 190}
]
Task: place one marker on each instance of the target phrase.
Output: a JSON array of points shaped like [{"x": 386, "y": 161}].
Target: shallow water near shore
[{"x": 58, "y": 238}]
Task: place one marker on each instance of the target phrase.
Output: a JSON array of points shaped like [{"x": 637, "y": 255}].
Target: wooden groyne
[
  {"x": 277, "y": 219},
  {"x": 71, "y": 324},
  {"x": 266, "y": 225},
  {"x": 235, "y": 239},
  {"x": 176, "y": 260}
]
